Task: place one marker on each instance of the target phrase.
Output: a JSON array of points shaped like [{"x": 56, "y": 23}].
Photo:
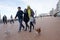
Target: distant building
[
  {"x": 52, "y": 12},
  {"x": 44, "y": 15},
  {"x": 58, "y": 8}
]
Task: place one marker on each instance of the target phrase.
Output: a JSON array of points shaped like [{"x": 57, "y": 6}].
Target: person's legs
[
  {"x": 5, "y": 21},
  {"x": 30, "y": 26},
  {"x": 19, "y": 28},
  {"x": 10, "y": 21},
  {"x": 20, "y": 25},
  {"x": 13, "y": 21},
  {"x": 26, "y": 26}
]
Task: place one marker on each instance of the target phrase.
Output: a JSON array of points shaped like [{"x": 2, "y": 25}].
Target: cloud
[
  {"x": 7, "y": 10},
  {"x": 9, "y": 7},
  {"x": 42, "y": 6}
]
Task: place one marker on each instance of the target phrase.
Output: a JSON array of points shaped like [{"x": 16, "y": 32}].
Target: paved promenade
[{"x": 50, "y": 30}]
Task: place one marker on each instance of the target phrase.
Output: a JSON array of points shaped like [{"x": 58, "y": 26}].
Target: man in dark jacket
[
  {"x": 4, "y": 19},
  {"x": 20, "y": 17}
]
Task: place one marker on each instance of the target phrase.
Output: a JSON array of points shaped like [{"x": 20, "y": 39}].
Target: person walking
[
  {"x": 26, "y": 19},
  {"x": 11, "y": 19},
  {"x": 30, "y": 13},
  {"x": 20, "y": 18},
  {"x": 5, "y": 19}
]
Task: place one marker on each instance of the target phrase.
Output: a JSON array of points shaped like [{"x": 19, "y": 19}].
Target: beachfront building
[
  {"x": 52, "y": 12},
  {"x": 58, "y": 8}
]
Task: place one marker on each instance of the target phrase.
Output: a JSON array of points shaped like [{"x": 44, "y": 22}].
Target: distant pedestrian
[
  {"x": 12, "y": 20},
  {"x": 20, "y": 18},
  {"x": 5, "y": 19}
]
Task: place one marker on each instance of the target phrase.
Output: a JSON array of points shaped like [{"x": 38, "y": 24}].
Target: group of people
[
  {"x": 5, "y": 19},
  {"x": 27, "y": 16}
]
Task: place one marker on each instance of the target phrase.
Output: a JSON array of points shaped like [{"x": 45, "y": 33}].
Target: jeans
[
  {"x": 21, "y": 25},
  {"x": 31, "y": 25}
]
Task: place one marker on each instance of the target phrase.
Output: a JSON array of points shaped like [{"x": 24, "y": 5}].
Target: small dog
[{"x": 38, "y": 30}]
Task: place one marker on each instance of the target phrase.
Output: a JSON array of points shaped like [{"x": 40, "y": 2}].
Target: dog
[{"x": 38, "y": 30}]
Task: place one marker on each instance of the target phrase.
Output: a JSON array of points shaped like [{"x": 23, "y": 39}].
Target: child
[{"x": 31, "y": 23}]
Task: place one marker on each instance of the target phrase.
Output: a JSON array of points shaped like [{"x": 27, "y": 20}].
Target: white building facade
[
  {"x": 58, "y": 8},
  {"x": 52, "y": 12}
]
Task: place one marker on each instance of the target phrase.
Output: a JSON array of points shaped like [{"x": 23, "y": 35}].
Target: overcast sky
[{"x": 8, "y": 7}]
